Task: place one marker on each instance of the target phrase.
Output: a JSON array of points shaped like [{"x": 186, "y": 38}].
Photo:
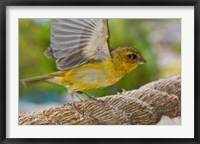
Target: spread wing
[{"x": 77, "y": 41}]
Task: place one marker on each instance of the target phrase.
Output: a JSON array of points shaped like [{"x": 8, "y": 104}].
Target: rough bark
[{"x": 144, "y": 106}]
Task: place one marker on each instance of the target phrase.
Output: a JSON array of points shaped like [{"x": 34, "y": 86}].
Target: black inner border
[{"x": 5, "y": 3}]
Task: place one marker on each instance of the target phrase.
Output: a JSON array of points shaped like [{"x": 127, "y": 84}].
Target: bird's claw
[
  {"x": 98, "y": 100},
  {"x": 77, "y": 109}
]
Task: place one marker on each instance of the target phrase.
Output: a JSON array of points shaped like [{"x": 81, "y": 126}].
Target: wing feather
[{"x": 77, "y": 41}]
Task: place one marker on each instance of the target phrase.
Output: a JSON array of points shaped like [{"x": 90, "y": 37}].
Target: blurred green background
[{"x": 159, "y": 41}]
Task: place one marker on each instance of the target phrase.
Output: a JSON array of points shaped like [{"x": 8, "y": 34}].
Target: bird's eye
[{"x": 132, "y": 56}]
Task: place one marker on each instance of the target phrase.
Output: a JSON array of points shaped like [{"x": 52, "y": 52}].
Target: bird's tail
[{"x": 52, "y": 78}]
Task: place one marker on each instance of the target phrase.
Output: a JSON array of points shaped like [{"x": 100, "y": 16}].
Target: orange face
[{"x": 129, "y": 58}]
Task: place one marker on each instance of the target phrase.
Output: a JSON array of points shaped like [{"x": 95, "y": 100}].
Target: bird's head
[{"x": 129, "y": 58}]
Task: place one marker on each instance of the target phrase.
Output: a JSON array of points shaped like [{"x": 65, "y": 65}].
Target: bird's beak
[{"x": 141, "y": 60}]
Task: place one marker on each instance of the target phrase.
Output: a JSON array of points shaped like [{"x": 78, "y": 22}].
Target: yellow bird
[{"x": 81, "y": 50}]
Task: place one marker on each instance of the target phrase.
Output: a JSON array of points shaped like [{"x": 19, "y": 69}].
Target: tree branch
[{"x": 145, "y": 105}]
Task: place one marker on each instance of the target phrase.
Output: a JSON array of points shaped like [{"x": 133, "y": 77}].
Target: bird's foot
[
  {"x": 77, "y": 109},
  {"x": 98, "y": 100},
  {"x": 94, "y": 99}
]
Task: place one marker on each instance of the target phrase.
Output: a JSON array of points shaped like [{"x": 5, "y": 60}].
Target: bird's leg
[
  {"x": 78, "y": 97},
  {"x": 74, "y": 106},
  {"x": 93, "y": 98}
]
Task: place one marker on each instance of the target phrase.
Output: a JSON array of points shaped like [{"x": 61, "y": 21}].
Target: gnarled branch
[{"x": 145, "y": 105}]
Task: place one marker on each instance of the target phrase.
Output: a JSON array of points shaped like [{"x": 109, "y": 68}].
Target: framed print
[{"x": 99, "y": 72}]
